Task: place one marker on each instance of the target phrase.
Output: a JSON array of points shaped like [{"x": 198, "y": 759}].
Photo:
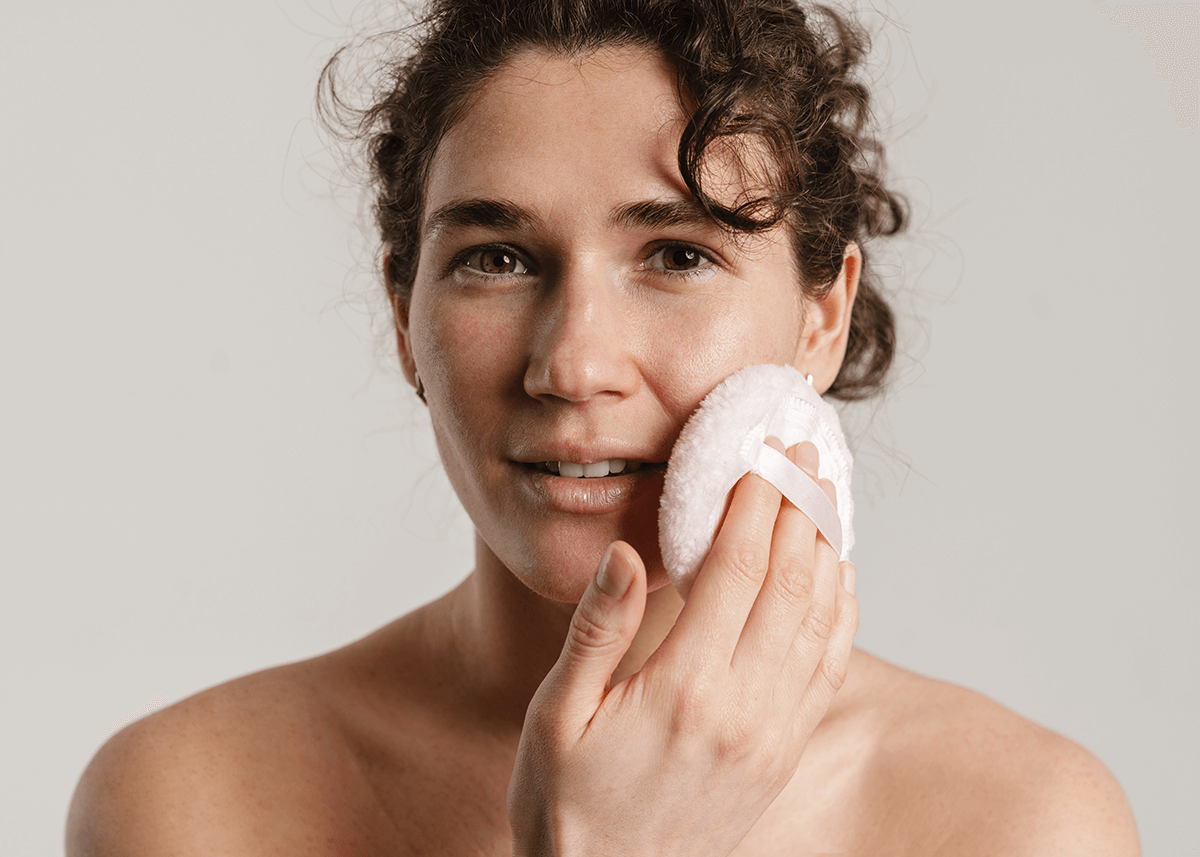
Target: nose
[{"x": 582, "y": 348}]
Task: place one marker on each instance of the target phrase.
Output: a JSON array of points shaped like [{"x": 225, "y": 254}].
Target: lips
[
  {"x": 593, "y": 457},
  {"x": 590, "y": 495}
]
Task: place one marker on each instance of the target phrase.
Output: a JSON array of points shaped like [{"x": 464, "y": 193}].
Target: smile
[{"x": 595, "y": 470}]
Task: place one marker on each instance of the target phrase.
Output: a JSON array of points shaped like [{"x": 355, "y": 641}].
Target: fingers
[
  {"x": 798, "y": 595},
  {"x": 732, "y": 574},
  {"x": 817, "y": 661},
  {"x": 602, "y": 629},
  {"x": 821, "y": 682},
  {"x": 768, "y": 604}
]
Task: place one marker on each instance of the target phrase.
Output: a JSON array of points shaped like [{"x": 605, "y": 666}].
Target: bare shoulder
[
  {"x": 976, "y": 778},
  {"x": 252, "y": 766}
]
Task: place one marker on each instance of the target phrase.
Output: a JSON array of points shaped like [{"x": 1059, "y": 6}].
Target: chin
[
  {"x": 564, "y": 572},
  {"x": 562, "y": 566}
]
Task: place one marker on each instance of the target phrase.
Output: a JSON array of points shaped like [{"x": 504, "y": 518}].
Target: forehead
[{"x": 547, "y": 129}]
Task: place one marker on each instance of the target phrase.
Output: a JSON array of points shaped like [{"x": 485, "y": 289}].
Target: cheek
[
  {"x": 456, "y": 346},
  {"x": 697, "y": 351},
  {"x": 466, "y": 362}
]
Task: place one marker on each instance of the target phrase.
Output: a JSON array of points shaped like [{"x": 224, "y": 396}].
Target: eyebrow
[
  {"x": 505, "y": 215},
  {"x": 660, "y": 213},
  {"x": 489, "y": 213}
]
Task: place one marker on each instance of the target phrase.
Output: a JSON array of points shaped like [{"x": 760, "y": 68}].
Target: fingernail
[
  {"x": 808, "y": 458},
  {"x": 615, "y": 574},
  {"x": 775, "y": 443},
  {"x": 847, "y": 575}
]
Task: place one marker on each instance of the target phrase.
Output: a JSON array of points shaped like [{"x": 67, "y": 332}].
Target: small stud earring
[{"x": 420, "y": 389}]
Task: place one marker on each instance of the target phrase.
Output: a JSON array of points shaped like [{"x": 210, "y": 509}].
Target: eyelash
[
  {"x": 461, "y": 259},
  {"x": 704, "y": 261}
]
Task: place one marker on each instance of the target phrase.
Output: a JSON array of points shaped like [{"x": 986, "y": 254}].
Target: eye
[
  {"x": 494, "y": 260},
  {"x": 678, "y": 258}
]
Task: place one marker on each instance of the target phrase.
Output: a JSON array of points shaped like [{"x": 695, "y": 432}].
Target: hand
[{"x": 684, "y": 756}]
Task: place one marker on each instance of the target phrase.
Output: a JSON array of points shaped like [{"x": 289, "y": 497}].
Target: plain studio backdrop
[{"x": 210, "y": 463}]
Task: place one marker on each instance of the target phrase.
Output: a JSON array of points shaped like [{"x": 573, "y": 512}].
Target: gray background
[{"x": 209, "y": 463}]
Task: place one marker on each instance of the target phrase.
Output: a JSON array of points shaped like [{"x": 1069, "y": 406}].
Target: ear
[
  {"x": 400, "y": 321},
  {"x": 827, "y": 324}
]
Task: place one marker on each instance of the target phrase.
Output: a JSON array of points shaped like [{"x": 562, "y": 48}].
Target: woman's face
[{"x": 573, "y": 305}]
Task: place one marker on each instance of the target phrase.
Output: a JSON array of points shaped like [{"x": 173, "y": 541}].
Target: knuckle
[
  {"x": 736, "y": 741},
  {"x": 747, "y": 562},
  {"x": 691, "y": 713},
  {"x": 833, "y": 672},
  {"x": 795, "y": 581},
  {"x": 764, "y": 764},
  {"x": 771, "y": 759},
  {"x": 588, "y": 636},
  {"x": 817, "y": 625}
]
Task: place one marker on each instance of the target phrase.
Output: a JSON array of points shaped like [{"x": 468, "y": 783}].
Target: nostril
[{"x": 582, "y": 373}]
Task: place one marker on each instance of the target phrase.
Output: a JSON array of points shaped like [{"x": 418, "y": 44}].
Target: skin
[{"x": 541, "y": 708}]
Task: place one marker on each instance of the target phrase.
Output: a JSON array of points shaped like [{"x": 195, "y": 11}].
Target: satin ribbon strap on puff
[{"x": 805, "y": 494}]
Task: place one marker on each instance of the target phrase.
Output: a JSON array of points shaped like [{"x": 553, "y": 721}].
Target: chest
[
  {"x": 424, "y": 782},
  {"x": 442, "y": 795},
  {"x": 430, "y": 791}
]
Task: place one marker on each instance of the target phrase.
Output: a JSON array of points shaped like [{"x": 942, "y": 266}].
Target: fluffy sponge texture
[{"x": 723, "y": 441}]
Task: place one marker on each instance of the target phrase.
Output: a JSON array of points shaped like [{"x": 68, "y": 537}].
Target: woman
[{"x": 592, "y": 213}]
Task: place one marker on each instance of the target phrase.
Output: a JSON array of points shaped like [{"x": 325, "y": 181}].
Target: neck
[{"x": 508, "y": 637}]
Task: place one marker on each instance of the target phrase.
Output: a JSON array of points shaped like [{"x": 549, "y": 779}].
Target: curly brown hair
[{"x": 765, "y": 70}]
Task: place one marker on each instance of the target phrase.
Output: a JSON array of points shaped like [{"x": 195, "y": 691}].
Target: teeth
[{"x": 591, "y": 471}]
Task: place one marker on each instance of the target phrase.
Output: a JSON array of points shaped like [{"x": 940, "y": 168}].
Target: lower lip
[{"x": 595, "y": 496}]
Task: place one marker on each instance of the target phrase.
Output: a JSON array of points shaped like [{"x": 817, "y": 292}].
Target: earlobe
[{"x": 826, "y": 331}]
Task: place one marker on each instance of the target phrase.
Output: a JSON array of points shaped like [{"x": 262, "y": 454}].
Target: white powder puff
[{"x": 720, "y": 444}]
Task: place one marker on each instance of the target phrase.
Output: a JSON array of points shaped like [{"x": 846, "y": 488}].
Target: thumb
[{"x": 602, "y": 629}]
